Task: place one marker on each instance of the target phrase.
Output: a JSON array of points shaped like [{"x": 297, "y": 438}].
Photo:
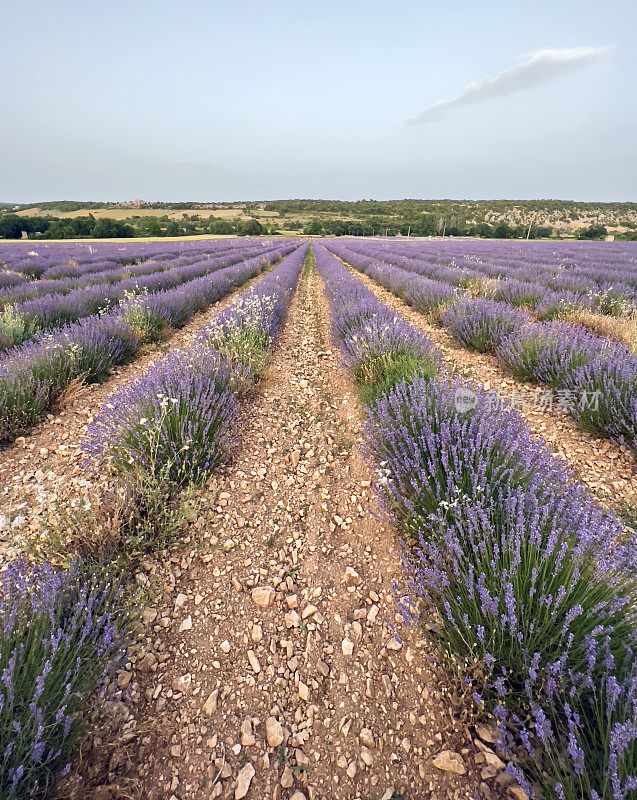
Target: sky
[{"x": 201, "y": 100}]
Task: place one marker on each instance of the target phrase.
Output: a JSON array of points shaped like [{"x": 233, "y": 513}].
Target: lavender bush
[
  {"x": 61, "y": 637},
  {"x": 428, "y": 296},
  {"x": 597, "y": 376},
  {"x": 518, "y": 293},
  {"x": 605, "y": 397},
  {"x": 378, "y": 346},
  {"x": 85, "y": 350},
  {"x": 175, "y": 421},
  {"x": 532, "y": 582},
  {"x": 382, "y": 352},
  {"x": 35, "y": 375},
  {"x": 551, "y": 352},
  {"x": 9, "y": 279},
  {"x": 553, "y": 305},
  {"x": 483, "y": 324}
]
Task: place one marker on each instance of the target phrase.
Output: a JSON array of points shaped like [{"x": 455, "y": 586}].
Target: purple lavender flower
[
  {"x": 176, "y": 420},
  {"x": 529, "y": 577},
  {"x": 40, "y": 717},
  {"x": 483, "y": 325}
]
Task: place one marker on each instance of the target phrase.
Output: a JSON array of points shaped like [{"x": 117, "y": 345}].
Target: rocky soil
[
  {"x": 271, "y": 663},
  {"x": 268, "y": 661}
]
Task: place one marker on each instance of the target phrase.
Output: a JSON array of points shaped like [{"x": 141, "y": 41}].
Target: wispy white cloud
[{"x": 536, "y": 69}]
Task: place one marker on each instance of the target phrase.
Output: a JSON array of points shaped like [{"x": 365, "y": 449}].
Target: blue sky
[{"x": 197, "y": 100}]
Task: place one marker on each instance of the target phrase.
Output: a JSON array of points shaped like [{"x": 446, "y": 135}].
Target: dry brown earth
[{"x": 271, "y": 661}]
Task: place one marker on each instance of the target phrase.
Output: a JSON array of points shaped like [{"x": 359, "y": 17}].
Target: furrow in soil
[{"x": 273, "y": 657}]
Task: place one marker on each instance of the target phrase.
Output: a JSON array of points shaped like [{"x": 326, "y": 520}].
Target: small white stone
[
  {"x": 273, "y": 732},
  {"x": 347, "y": 646},
  {"x": 186, "y": 625}
]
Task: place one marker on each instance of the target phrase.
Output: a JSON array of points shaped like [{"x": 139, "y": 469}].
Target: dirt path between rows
[
  {"x": 270, "y": 662},
  {"x": 606, "y": 468},
  {"x": 46, "y": 462}
]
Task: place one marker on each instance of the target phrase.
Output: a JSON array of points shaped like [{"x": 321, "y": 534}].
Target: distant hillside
[
  {"x": 561, "y": 215},
  {"x": 363, "y": 217}
]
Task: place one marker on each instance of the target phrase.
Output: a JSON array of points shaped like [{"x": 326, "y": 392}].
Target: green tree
[
  {"x": 485, "y": 230},
  {"x": 315, "y": 228},
  {"x": 592, "y": 232},
  {"x": 221, "y": 226},
  {"x": 503, "y": 231},
  {"x": 59, "y": 230},
  {"x": 251, "y": 227},
  {"x": 11, "y": 226},
  {"x": 150, "y": 226},
  {"x": 174, "y": 228},
  {"x": 107, "y": 228}
]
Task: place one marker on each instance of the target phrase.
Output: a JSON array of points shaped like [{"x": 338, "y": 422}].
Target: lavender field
[{"x": 427, "y": 447}]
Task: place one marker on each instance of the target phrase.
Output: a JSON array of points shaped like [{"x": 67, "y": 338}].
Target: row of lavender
[
  {"x": 35, "y": 374},
  {"x": 599, "y": 259},
  {"x": 529, "y": 582},
  {"x": 47, "y": 304},
  {"x": 79, "y": 277},
  {"x": 20, "y": 266},
  {"x": 596, "y": 376},
  {"x": 176, "y": 419},
  {"x": 549, "y": 278},
  {"x": 57, "y": 260},
  {"x": 63, "y": 631}
]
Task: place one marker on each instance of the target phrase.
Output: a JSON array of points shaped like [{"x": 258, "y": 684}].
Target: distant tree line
[
  {"x": 391, "y": 218},
  {"x": 12, "y": 226},
  {"x": 424, "y": 225},
  {"x": 79, "y": 205},
  {"x": 432, "y": 225}
]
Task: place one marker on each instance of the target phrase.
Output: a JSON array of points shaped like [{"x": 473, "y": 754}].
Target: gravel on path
[{"x": 272, "y": 663}]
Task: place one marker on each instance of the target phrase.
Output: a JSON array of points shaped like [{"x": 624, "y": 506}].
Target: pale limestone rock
[
  {"x": 262, "y": 596},
  {"x": 273, "y": 732},
  {"x": 244, "y": 779},
  {"x": 448, "y": 761}
]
